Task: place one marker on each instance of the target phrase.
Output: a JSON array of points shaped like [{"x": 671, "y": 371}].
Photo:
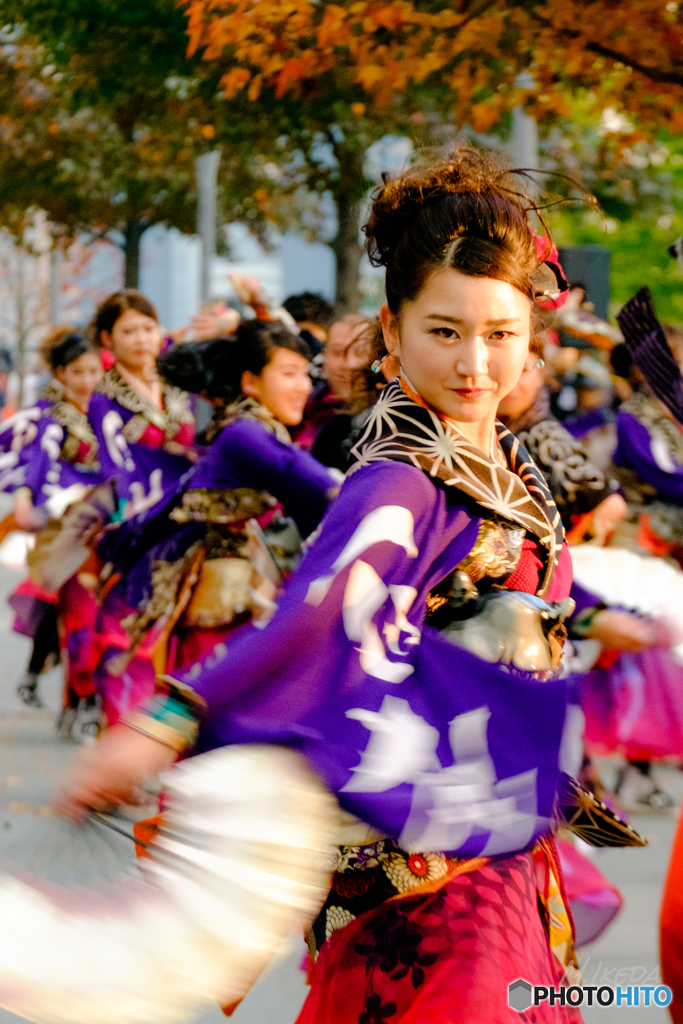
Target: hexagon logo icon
[{"x": 519, "y": 995}]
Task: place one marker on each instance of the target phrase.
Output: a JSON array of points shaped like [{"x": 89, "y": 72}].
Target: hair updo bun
[
  {"x": 63, "y": 346},
  {"x": 466, "y": 212},
  {"x": 214, "y": 368}
]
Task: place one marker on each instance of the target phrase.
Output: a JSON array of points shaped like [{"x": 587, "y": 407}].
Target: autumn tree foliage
[{"x": 354, "y": 69}]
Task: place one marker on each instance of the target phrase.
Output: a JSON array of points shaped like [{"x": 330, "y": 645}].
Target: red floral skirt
[{"x": 443, "y": 956}]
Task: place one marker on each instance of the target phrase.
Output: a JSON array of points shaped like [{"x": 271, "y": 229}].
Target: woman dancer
[
  {"x": 210, "y": 557},
  {"x": 434, "y": 908},
  {"x": 59, "y": 463},
  {"x": 144, "y": 428}
]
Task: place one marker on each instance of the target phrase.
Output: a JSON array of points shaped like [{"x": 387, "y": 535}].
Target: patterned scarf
[
  {"x": 245, "y": 408},
  {"x": 399, "y": 429},
  {"x": 175, "y": 412},
  {"x": 75, "y": 422},
  {"x": 649, "y": 412}
]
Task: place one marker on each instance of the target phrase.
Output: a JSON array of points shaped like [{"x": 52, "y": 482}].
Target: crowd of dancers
[{"x": 354, "y": 578}]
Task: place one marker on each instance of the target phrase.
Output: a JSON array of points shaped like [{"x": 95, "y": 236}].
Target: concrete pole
[
  {"x": 55, "y": 264},
  {"x": 206, "y": 169},
  {"x": 524, "y": 140}
]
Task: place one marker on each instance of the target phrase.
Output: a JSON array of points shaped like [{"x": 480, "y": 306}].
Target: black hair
[
  {"x": 310, "y": 307},
  {"x": 66, "y": 348},
  {"x": 620, "y": 361},
  {"x": 214, "y": 368}
]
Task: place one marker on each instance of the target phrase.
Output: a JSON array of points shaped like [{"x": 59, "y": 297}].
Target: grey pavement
[{"x": 31, "y": 760}]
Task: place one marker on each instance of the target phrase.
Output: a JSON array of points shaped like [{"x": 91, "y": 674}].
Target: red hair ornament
[{"x": 551, "y": 287}]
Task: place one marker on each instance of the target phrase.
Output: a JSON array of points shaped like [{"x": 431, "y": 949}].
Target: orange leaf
[
  {"x": 254, "y": 90},
  {"x": 484, "y": 116},
  {"x": 293, "y": 70},
  {"x": 369, "y": 76},
  {"x": 234, "y": 80}
]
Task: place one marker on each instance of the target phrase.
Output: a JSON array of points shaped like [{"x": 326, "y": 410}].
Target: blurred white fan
[
  {"x": 59, "y": 852},
  {"x": 15, "y": 548},
  {"x": 242, "y": 859},
  {"x": 638, "y": 582}
]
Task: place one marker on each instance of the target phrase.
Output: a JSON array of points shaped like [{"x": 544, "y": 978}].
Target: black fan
[
  {"x": 649, "y": 349},
  {"x": 580, "y": 811}
]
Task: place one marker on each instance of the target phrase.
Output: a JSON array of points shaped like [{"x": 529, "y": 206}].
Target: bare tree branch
[{"x": 654, "y": 74}]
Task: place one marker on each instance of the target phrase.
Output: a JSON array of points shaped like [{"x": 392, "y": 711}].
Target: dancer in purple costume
[
  {"x": 145, "y": 431},
  {"x": 188, "y": 564},
  {"x": 59, "y": 464},
  {"x": 144, "y": 428}
]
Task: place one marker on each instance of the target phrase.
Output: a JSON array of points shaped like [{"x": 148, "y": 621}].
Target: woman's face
[
  {"x": 283, "y": 386},
  {"x": 462, "y": 343},
  {"x": 524, "y": 393},
  {"x": 81, "y": 377},
  {"x": 134, "y": 340}
]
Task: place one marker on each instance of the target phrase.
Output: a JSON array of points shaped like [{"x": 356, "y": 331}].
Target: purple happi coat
[
  {"x": 16, "y": 434},
  {"x": 62, "y": 453},
  {"x": 57, "y": 462},
  {"x": 415, "y": 736},
  {"x": 644, "y": 450},
  {"x": 141, "y": 447}
]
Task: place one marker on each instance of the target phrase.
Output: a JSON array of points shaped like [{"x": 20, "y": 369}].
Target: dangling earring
[
  {"x": 377, "y": 365},
  {"x": 540, "y": 364}
]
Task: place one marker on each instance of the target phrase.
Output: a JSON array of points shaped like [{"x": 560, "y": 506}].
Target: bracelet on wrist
[
  {"x": 171, "y": 717},
  {"x": 582, "y": 624}
]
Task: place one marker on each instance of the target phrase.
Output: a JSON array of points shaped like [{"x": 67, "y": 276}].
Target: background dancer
[
  {"x": 633, "y": 703},
  {"x": 60, "y": 463},
  {"x": 211, "y": 557},
  {"x": 587, "y": 498},
  {"x": 144, "y": 430}
]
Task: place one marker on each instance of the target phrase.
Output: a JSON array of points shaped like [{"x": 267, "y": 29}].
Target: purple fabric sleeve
[
  {"x": 579, "y": 426},
  {"x": 247, "y": 455},
  {"x": 17, "y": 434},
  {"x": 634, "y": 451},
  {"x": 393, "y": 717},
  {"x": 46, "y": 474},
  {"x": 142, "y": 473}
]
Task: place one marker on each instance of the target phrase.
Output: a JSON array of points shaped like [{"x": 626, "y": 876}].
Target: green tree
[
  {"x": 125, "y": 113},
  {"x": 639, "y": 185}
]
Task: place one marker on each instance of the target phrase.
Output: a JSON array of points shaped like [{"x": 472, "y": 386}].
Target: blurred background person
[
  {"x": 346, "y": 350},
  {"x": 314, "y": 316},
  {"x": 62, "y": 459},
  {"x": 587, "y": 498}
]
